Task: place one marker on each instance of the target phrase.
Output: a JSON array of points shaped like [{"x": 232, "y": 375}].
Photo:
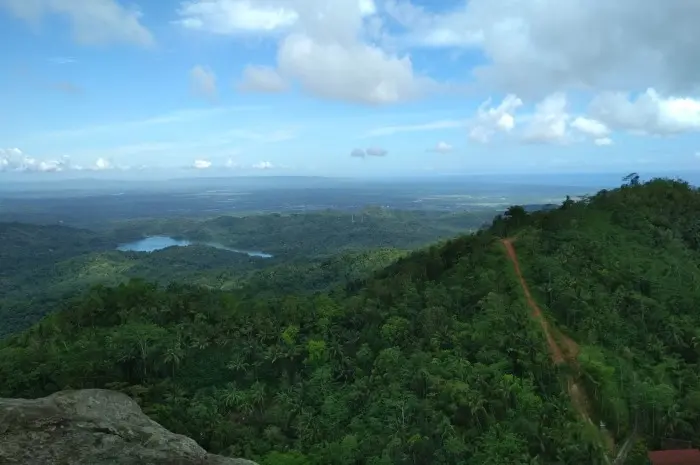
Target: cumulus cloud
[
  {"x": 201, "y": 164},
  {"x": 369, "y": 152},
  {"x": 355, "y": 50},
  {"x": 549, "y": 123},
  {"x": 262, "y": 79},
  {"x": 491, "y": 120},
  {"x": 536, "y": 48},
  {"x": 441, "y": 147},
  {"x": 593, "y": 129},
  {"x": 203, "y": 82},
  {"x": 229, "y": 17},
  {"x": 263, "y": 165},
  {"x": 353, "y": 72},
  {"x": 14, "y": 159},
  {"x": 648, "y": 113},
  {"x": 103, "y": 164},
  {"x": 590, "y": 127},
  {"x": 94, "y": 22},
  {"x": 324, "y": 47},
  {"x": 426, "y": 29}
]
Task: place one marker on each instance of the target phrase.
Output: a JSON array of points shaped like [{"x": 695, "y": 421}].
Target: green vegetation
[
  {"x": 43, "y": 265},
  {"x": 433, "y": 359},
  {"x": 314, "y": 234}
]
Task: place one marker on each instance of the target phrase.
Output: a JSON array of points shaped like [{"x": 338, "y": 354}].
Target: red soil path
[
  {"x": 554, "y": 350},
  {"x": 578, "y": 396}
]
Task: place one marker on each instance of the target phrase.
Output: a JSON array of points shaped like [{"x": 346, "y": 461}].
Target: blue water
[{"x": 153, "y": 243}]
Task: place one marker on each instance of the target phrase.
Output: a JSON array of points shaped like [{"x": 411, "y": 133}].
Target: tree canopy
[{"x": 434, "y": 359}]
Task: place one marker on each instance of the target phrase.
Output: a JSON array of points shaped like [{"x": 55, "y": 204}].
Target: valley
[
  {"x": 263, "y": 251},
  {"x": 559, "y": 335}
]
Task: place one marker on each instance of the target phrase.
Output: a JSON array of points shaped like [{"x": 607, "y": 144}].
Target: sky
[{"x": 349, "y": 87}]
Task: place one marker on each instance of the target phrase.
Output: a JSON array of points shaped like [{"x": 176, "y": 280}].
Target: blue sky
[{"x": 349, "y": 87}]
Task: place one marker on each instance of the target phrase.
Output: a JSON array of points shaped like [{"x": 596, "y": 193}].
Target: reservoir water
[{"x": 153, "y": 243}]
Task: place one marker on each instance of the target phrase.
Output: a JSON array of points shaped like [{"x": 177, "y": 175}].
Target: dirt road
[
  {"x": 569, "y": 355},
  {"x": 578, "y": 395},
  {"x": 554, "y": 350}
]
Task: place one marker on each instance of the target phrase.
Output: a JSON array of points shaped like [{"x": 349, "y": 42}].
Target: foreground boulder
[{"x": 92, "y": 427}]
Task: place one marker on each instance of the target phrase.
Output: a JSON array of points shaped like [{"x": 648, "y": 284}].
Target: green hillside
[
  {"x": 435, "y": 359},
  {"x": 43, "y": 265},
  {"x": 303, "y": 235}
]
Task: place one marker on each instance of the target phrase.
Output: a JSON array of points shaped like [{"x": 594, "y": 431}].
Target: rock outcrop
[{"x": 92, "y": 427}]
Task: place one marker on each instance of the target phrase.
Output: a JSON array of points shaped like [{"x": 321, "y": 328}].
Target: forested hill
[
  {"x": 436, "y": 359},
  {"x": 40, "y": 265}
]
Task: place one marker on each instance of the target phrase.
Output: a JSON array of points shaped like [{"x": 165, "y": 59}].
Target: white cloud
[
  {"x": 491, "y": 120},
  {"x": 367, "y": 7},
  {"x": 450, "y": 29},
  {"x": 93, "y": 22},
  {"x": 103, "y": 164},
  {"x": 353, "y": 72},
  {"x": 442, "y": 147},
  {"x": 432, "y": 126},
  {"x": 14, "y": 159},
  {"x": 358, "y": 153},
  {"x": 203, "y": 82},
  {"x": 534, "y": 48},
  {"x": 590, "y": 127},
  {"x": 549, "y": 123},
  {"x": 262, "y": 79},
  {"x": 323, "y": 48},
  {"x": 649, "y": 113},
  {"x": 200, "y": 164},
  {"x": 353, "y": 50},
  {"x": 263, "y": 165},
  {"x": 236, "y": 16}
]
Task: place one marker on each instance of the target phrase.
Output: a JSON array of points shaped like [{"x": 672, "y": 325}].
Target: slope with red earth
[
  {"x": 578, "y": 396},
  {"x": 555, "y": 351}
]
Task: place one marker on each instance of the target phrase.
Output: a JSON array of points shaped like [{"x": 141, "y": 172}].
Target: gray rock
[{"x": 92, "y": 427}]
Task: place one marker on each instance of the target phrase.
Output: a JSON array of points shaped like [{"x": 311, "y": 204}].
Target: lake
[{"x": 153, "y": 243}]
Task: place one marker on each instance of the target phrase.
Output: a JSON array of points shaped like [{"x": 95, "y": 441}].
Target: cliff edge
[{"x": 92, "y": 427}]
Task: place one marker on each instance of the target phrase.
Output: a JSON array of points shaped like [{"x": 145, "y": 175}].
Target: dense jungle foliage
[
  {"x": 434, "y": 359},
  {"x": 43, "y": 265}
]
